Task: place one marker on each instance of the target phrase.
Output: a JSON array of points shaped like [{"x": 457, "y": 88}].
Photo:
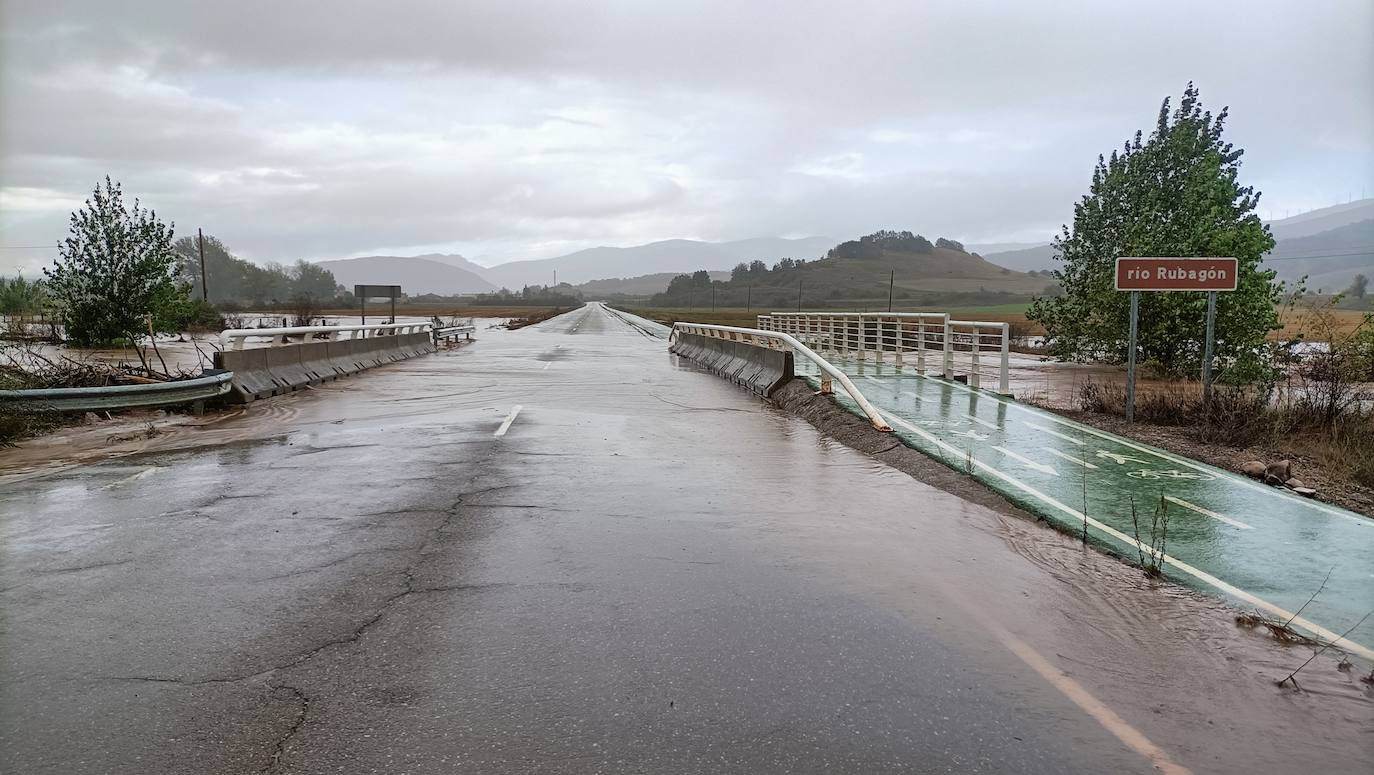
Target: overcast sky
[{"x": 515, "y": 129}]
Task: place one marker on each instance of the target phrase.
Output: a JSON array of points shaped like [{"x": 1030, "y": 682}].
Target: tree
[
  {"x": 1359, "y": 287},
  {"x": 740, "y": 272},
  {"x": 314, "y": 281},
  {"x": 117, "y": 274},
  {"x": 1175, "y": 194}
]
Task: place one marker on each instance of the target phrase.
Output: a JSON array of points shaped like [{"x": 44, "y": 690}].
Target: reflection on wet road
[
  {"x": 1263, "y": 547},
  {"x": 563, "y": 550}
]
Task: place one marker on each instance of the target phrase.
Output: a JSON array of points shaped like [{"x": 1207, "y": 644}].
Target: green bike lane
[{"x": 1264, "y": 548}]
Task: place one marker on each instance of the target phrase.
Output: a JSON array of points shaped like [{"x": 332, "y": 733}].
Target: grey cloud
[{"x": 306, "y": 129}]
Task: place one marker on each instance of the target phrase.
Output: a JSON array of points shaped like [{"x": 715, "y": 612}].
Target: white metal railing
[
  {"x": 234, "y": 338},
  {"x": 976, "y": 350},
  {"x": 775, "y": 340}
]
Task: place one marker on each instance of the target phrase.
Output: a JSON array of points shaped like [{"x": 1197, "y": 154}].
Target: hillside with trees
[
  {"x": 234, "y": 281},
  {"x": 917, "y": 268}
]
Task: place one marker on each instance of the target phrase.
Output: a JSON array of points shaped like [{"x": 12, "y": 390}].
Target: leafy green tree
[
  {"x": 1173, "y": 194},
  {"x": 117, "y": 274},
  {"x": 22, "y": 297},
  {"x": 313, "y": 281}
]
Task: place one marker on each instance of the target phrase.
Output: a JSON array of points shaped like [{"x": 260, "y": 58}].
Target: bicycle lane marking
[
  {"x": 1294, "y": 499},
  {"x": 959, "y": 458},
  {"x": 1197, "y": 573}
]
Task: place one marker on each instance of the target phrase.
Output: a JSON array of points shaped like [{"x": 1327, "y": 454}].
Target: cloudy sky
[{"x": 527, "y": 129}]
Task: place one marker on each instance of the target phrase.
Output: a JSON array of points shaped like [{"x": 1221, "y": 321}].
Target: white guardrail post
[
  {"x": 1003, "y": 374},
  {"x": 773, "y": 340},
  {"x": 948, "y": 366}
]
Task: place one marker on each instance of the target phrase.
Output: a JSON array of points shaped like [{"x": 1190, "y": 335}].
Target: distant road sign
[
  {"x": 1176, "y": 274},
  {"x": 377, "y": 291}
]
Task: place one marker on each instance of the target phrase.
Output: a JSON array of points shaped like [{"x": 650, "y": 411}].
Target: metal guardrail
[
  {"x": 234, "y": 338},
  {"x": 452, "y": 332},
  {"x": 978, "y": 350},
  {"x": 189, "y": 391},
  {"x": 775, "y": 340}
]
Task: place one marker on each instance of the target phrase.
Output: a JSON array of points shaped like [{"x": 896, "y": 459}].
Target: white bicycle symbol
[{"x": 1172, "y": 473}]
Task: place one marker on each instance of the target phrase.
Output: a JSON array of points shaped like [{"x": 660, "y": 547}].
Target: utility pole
[
  {"x": 799, "y": 287},
  {"x": 891, "y": 278},
  {"x": 748, "y": 298},
  {"x": 555, "y": 278},
  {"x": 200, "y": 243},
  {"x": 713, "y": 297}
]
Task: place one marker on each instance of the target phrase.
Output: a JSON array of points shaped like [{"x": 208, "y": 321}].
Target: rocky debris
[
  {"x": 1277, "y": 474},
  {"x": 1281, "y": 470}
]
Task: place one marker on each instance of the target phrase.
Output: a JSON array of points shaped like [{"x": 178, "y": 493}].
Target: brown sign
[{"x": 1176, "y": 274}]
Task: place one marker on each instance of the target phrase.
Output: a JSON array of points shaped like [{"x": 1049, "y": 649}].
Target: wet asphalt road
[{"x": 649, "y": 571}]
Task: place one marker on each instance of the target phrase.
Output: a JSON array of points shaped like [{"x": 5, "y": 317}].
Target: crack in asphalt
[{"x": 279, "y": 748}]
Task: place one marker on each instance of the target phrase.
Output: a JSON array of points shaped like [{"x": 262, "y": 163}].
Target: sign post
[
  {"x": 1130, "y": 357},
  {"x": 1174, "y": 274},
  {"x": 364, "y": 292}
]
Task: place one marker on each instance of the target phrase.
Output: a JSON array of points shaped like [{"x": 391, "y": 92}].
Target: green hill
[{"x": 859, "y": 270}]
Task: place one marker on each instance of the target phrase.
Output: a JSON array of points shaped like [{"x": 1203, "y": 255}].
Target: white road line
[
  {"x": 1073, "y": 690},
  {"x": 1193, "y": 464},
  {"x": 1063, "y": 436},
  {"x": 550, "y": 363},
  {"x": 1208, "y": 513},
  {"x": 1041, "y": 467},
  {"x": 510, "y": 418},
  {"x": 1334, "y": 637},
  {"x": 983, "y": 422},
  {"x": 1069, "y": 458},
  {"x": 911, "y": 395},
  {"x": 874, "y": 380},
  {"x": 133, "y": 478}
]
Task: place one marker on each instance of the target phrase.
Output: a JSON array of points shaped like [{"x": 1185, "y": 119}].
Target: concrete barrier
[
  {"x": 262, "y": 372},
  {"x": 760, "y": 369}
]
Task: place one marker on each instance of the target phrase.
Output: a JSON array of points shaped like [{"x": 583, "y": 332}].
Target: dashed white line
[
  {"x": 983, "y": 422},
  {"x": 510, "y": 418},
  {"x": 1065, "y": 437},
  {"x": 134, "y": 478},
  {"x": 550, "y": 363},
  {"x": 1041, "y": 467},
  {"x": 1069, "y": 458},
  {"x": 1209, "y": 513}
]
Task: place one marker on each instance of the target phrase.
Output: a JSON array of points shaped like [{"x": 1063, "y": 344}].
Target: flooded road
[{"x": 561, "y": 549}]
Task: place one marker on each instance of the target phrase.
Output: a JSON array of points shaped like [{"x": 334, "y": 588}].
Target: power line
[{"x": 1317, "y": 258}]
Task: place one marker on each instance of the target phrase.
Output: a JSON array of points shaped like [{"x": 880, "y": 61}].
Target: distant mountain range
[
  {"x": 639, "y": 269},
  {"x": 415, "y": 274},
  {"x": 668, "y": 256},
  {"x": 1329, "y": 245}
]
